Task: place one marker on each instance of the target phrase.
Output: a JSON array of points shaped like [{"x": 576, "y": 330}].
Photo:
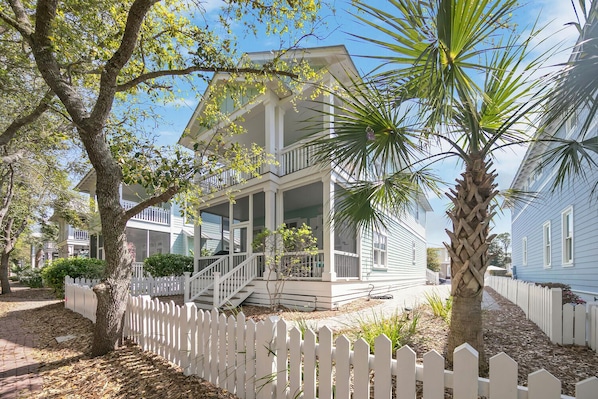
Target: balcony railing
[
  {"x": 151, "y": 214},
  {"x": 81, "y": 235},
  {"x": 296, "y": 157}
]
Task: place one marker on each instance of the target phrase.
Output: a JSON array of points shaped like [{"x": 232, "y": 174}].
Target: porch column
[
  {"x": 329, "y": 273},
  {"x": 270, "y": 221},
  {"x": 270, "y": 209},
  {"x": 270, "y": 126}
]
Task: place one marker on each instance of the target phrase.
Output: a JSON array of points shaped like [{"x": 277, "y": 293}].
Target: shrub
[
  {"x": 399, "y": 328},
  {"x": 161, "y": 265},
  {"x": 31, "y": 278},
  {"x": 54, "y": 274},
  {"x": 568, "y": 295},
  {"x": 439, "y": 307}
]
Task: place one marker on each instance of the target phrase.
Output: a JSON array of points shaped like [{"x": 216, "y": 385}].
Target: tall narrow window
[
  {"x": 380, "y": 241},
  {"x": 524, "y": 251},
  {"x": 567, "y": 244},
  {"x": 547, "y": 240},
  {"x": 413, "y": 252}
]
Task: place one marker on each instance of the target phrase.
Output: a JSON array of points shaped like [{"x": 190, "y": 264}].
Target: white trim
[
  {"x": 546, "y": 245},
  {"x": 567, "y": 234},
  {"x": 382, "y": 250}
]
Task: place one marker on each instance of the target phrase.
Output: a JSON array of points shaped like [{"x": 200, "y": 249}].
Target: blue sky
[{"x": 553, "y": 13}]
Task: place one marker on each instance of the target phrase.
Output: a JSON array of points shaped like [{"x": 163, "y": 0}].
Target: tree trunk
[
  {"x": 471, "y": 216},
  {"x": 113, "y": 291},
  {"x": 38, "y": 257},
  {"x": 4, "y": 267}
]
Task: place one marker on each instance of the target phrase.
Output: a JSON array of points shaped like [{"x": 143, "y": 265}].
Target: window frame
[
  {"x": 380, "y": 239},
  {"x": 547, "y": 245},
  {"x": 567, "y": 241}
]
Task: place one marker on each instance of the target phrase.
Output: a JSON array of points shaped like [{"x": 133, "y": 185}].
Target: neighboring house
[
  {"x": 555, "y": 237},
  {"x": 349, "y": 264},
  {"x": 71, "y": 241},
  {"x": 445, "y": 262},
  {"x": 157, "y": 229}
]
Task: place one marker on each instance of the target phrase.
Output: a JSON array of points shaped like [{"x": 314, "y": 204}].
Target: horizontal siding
[
  {"x": 399, "y": 255},
  {"x": 527, "y": 221}
]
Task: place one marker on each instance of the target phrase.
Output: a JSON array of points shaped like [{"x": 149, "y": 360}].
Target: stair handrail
[
  {"x": 203, "y": 280},
  {"x": 229, "y": 284}
]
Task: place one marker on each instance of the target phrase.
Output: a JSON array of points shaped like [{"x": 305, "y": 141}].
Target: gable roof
[{"x": 335, "y": 58}]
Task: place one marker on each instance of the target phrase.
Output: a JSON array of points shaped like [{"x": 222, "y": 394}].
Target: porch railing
[
  {"x": 226, "y": 286},
  {"x": 203, "y": 280},
  {"x": 227, "y": 178},
  {"x": 206, "y": 261},
  {"x": 81, "y": 235},
  {"x": 138, "y": 271},
  {"x": 298, "y": 265},
  {"x": 346, "y": 264},
  {"x": 296, "y": 157},
  {"x": 151, "y": 214}
]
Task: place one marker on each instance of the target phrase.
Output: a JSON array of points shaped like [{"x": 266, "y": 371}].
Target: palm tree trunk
[{"x": 471, "y": 216}]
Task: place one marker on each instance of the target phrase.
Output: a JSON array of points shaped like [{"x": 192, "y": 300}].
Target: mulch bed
[{"x": 68, "y": 371}]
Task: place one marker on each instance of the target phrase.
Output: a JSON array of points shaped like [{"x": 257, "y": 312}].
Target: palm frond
[
  {"x": 367, "y": 204},
  {"x": 371, "y": 133}
]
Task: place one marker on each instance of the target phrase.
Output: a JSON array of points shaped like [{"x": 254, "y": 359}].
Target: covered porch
[{"x": 229, "y": 228}]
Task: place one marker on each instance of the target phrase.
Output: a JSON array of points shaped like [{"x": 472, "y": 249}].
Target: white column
[
  {"x": 271, "y": 206},
  {"x": 328, "y": 226},
  {"x": 270, "y": 132},
  {"x": 271, "y": 222}
]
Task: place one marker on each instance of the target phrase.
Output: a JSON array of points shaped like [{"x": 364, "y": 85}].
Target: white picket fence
[
  {"x": 564, "y": 324},
  {"x": 268, "y": 360},
  {"x": 153, "y": 286}
]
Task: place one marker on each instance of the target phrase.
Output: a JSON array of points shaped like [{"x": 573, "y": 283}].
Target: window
[
  {"x": 567, "y": 234},
  {"x": 380, "y": 242},
  {"x": 413, "y": 252},
  {"x": 524, "y": 250},
  {"x": 547, "y": 243}
]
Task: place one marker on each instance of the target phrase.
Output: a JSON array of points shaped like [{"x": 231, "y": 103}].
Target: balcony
[
  {"x": 291, "y": 159},
  {"x": 80, "y": 235},
  {"x": 151, "y": 214}
]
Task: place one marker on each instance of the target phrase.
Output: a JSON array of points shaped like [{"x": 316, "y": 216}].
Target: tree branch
[
  {"x": 21, "y": 21},
  {"x": 48, "y": 65},
  {"x": 135, "y": 18},
  {"x": 156, "y": 199},
  {"x": 17, "y": 124},
  {"x": 186, "y": 71}
]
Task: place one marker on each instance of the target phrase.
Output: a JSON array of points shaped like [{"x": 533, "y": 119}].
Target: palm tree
[
  {"x": 450, "y": 82},
  {"x": 574, "y": 96}
]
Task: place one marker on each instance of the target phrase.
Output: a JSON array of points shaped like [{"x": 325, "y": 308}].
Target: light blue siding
[
  {"x": 400, "y": 260},
  {"x": 527, "y": 221}
]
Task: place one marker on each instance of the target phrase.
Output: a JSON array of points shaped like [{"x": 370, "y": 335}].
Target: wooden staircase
[
  {"x": 206, "y": 300},
  {"x": 218, "y": 286}
]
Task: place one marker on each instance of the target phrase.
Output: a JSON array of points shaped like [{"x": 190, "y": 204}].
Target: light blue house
[
  {"x": 555, "y": 236},
  {"x": 349, "y": 264}
]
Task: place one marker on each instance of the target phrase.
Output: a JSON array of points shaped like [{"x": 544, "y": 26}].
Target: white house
[
  {"x": 157, "y": 229},
  {"x": 349, "y": 263}
]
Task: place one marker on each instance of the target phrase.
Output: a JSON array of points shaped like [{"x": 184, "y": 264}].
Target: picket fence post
[
  {"x": 556, "y": 314},
  {"x": 465, "y": 372},
  {"x": 503, "y": 377}
]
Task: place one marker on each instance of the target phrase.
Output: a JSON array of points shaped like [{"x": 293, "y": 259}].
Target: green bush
[
  {"x": 161, "y": 265},
  {"x": 31, "y": 278},
  {"x": 54, "y": 274}
]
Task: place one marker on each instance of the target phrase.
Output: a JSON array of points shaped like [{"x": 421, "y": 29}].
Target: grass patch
[
  {"x": 399, "y": 328},
  {"x": 441, "y": 308}
]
